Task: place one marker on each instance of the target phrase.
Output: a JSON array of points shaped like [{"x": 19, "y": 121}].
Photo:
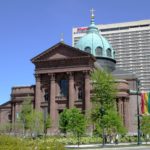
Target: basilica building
[{"x": 62, "y": 75}]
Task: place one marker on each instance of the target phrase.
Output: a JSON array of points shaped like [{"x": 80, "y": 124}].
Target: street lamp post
[
  {"x": 102, "y": 112},
  {"x": 138, "y": 114}
]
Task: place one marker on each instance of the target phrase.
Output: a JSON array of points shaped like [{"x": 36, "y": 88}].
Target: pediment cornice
[{"x": 60, "y": 51}]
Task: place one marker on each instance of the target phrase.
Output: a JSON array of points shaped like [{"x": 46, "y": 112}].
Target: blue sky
[{"x": 28, "y": 27}]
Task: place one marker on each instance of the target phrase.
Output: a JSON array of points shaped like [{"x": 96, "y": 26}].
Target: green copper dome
[{"x": 95, "y": 43}]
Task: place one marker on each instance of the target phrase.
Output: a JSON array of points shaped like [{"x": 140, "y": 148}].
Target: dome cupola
[{"x": 93, "y": 42}]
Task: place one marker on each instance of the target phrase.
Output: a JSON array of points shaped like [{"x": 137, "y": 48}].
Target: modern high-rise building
[{"x": 131, "y": 42}]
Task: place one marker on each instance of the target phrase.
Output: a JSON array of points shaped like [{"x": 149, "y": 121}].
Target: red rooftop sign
[{"x": 82, "y": 29}]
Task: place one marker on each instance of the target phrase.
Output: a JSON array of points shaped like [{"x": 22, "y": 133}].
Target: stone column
[
  {"x": 13, "y": 113},
  {"x": 0, "y": 117},
  {"x": 38, "y": 93},
  {"x": 126, "y": 112},
  {"x": 13, "y": 116},
  {"x": 52, "y": 100},
  {"x": 120, "y": 107},
  {"x": 71, "y": 90},
  {"x": 87, "y": 92}
]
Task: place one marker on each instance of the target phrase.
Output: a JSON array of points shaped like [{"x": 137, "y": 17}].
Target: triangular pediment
[{"x": 60, "y": 51}]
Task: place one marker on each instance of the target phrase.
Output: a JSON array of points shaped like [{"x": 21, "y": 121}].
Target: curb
[{"x": 106, "y": 147}]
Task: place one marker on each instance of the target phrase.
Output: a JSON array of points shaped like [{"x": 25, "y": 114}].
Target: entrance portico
[{"x": 62, "y": 80}]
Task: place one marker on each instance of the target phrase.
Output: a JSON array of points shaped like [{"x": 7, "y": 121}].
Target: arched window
[
  {"x": 109, "y": 52},
  {"x": 99, "y": 51},
  {"x": 114, "y": 54},
  {"x": 87, "y": 49},
  {"x": 9, "y": 117}
]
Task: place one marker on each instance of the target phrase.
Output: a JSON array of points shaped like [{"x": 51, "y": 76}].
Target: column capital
[
  {"x": 71, "y": 74},
  {"x": 86, "y": 73},
  {"x": 127, "y": 99},
  {"x": 52, "y": 76},
  {"x": 120, "y": 99}
]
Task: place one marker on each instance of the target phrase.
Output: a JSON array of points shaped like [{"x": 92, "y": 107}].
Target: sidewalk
[{"x": 108, "y": 146}]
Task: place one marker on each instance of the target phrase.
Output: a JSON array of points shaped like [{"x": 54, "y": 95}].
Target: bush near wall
[
  {"x": 51, "y": 143},
  {"x": 15, "y": 143},
  {"x": 73, "y": 140}
]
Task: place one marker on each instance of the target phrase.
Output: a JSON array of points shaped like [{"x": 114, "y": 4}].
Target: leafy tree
[
  {"x": 63, "y": 121},
  {"x": 77, "y": 122},
  {"x": 31, "y": 119},
  {"x": 104, "y": 98},
  {"x": 36, "y": 124},
  {"x": 25, "y": 113},
  {"x": 5, "y": 128},
  {"x": 104, "y": 89},
  {"x": 47, "y": 124},
  {"x": 72, "y": 120},
  {"x": 19, "y": 127},
  {"x": 113, "y": 123},
  {"x": 145, "y": 125}
]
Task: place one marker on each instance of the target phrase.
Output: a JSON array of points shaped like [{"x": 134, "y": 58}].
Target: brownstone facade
[{"x": 62, "y": 81}]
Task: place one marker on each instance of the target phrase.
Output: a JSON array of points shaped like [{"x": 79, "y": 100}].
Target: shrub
[{"x": 14, "y": 143}]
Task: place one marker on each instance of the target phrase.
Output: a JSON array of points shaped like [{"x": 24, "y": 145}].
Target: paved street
[
  {"x": 119, "y": 148},
  {"x": 123, "y": 148}
]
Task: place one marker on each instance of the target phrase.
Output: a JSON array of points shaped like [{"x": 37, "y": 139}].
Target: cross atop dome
[{"x": 92, "y": 13}]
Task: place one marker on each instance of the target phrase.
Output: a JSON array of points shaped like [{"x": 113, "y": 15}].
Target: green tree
[
  {"x": 25, "y": 113},
  {"x": 104, "y": 89},
  {"x": 104, "y": 98},
  {"x": 5, "y": 128},
  {"x": 32, "y": 120},
  {"x": 36, "y": 124},
  {"x": 63, "y": 121},
  {"x": 113, "y": 123},
  {"x": 47, "y": 124},
  {"x": 72, "y": 120},
  {"x": 145, "y": 125},
  {"x": 77, "y": 122}
]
